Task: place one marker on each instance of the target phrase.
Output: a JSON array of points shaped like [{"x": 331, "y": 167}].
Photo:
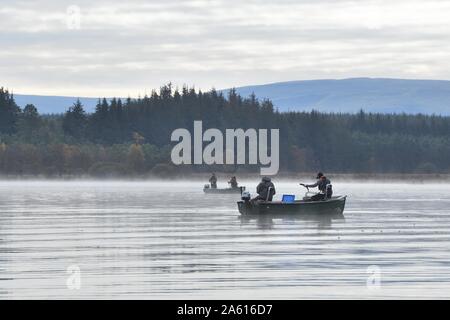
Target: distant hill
[
  {"x": 347, "y": 95},
  {"x": 351, "y": 95}
]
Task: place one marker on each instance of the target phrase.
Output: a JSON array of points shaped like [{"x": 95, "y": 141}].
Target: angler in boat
[
  {"x": 324, "y": 186},
  {"x": 213, "y": 181},
  {"x": 233, "y": 182},
  {"x": 212, "y": 187},
  {"x": 265, "y": 190}
]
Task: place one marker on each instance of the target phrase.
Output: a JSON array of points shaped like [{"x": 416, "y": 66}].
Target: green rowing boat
[{"x": 333, "y": 205}]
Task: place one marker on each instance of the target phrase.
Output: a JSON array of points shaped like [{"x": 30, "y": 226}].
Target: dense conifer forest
[{"x": 132, "y": 137}]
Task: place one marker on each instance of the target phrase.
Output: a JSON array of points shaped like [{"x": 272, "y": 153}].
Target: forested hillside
[{"x": 132, "y": 137}]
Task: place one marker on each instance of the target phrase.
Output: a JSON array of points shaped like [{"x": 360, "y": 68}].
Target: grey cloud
[{"x": 129, "y": 46}]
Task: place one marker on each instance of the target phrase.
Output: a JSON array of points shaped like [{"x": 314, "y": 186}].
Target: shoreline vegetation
[
  {"x": 130, "y": 139},
  {"x": 223, "y": 178}
]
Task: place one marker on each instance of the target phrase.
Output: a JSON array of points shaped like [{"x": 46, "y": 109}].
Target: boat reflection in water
[{"x": 266, "y": 221}]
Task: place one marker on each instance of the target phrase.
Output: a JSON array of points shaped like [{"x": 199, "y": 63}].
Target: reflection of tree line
[{"x": 132, "y": 136}]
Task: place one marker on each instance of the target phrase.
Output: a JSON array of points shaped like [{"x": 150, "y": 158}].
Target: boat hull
[
  {"x": 224, "y": 191},
  {"x": 335, "y": 205}
]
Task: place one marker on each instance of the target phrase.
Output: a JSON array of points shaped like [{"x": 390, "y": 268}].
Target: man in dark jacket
[
  {"x": 265, "y": 190},
  {"x": 233, "y": 182},
  {"x": 213, "y": 181},
  {"x": 321, "y": 184}
]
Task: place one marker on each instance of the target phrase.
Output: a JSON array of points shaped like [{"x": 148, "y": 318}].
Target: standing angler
[
  {"x": 322, "y": 183},
  {"x": 213, "y": 181}
]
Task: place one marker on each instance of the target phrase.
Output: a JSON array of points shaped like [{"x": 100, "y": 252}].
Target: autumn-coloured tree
[{"x": 136, "y": 158}]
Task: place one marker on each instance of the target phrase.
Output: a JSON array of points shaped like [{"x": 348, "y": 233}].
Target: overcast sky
[{"x": 127, "y": 47}]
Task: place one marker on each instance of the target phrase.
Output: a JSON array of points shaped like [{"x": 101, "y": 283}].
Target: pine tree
[
  {"x": 9, "y": 112},
  {"x": 75, "y": 121},
  {"x": 29, "y": 123}
]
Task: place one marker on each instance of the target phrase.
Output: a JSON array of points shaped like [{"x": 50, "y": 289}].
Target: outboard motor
[
  {"x": 206, "y": 186},
  {"x": 328, "y": 191},
  {"x": 245, "y": 196}
]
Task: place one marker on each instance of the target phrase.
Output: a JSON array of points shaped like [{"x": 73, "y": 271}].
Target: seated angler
[
  {"x": 233, "y": 183},
  {"x": 324, "y": 186},
  {"x": 265, "y": 190}
]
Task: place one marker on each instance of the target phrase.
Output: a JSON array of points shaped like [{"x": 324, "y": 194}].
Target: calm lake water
[{"x": 169, "y": 240}]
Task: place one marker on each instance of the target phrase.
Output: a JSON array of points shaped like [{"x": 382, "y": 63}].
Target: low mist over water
[{"x": 170, "y": 240}]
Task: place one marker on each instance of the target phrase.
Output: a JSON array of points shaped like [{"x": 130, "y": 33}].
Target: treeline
[{"x": 132, "y": 136}]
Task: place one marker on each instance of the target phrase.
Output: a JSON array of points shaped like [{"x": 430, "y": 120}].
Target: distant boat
[
  {"x": 208, "y": 189},
  {"x": 333, "y": 205}
]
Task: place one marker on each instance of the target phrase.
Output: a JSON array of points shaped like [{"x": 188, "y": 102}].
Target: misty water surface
[{"x": 169, "y": 240}]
